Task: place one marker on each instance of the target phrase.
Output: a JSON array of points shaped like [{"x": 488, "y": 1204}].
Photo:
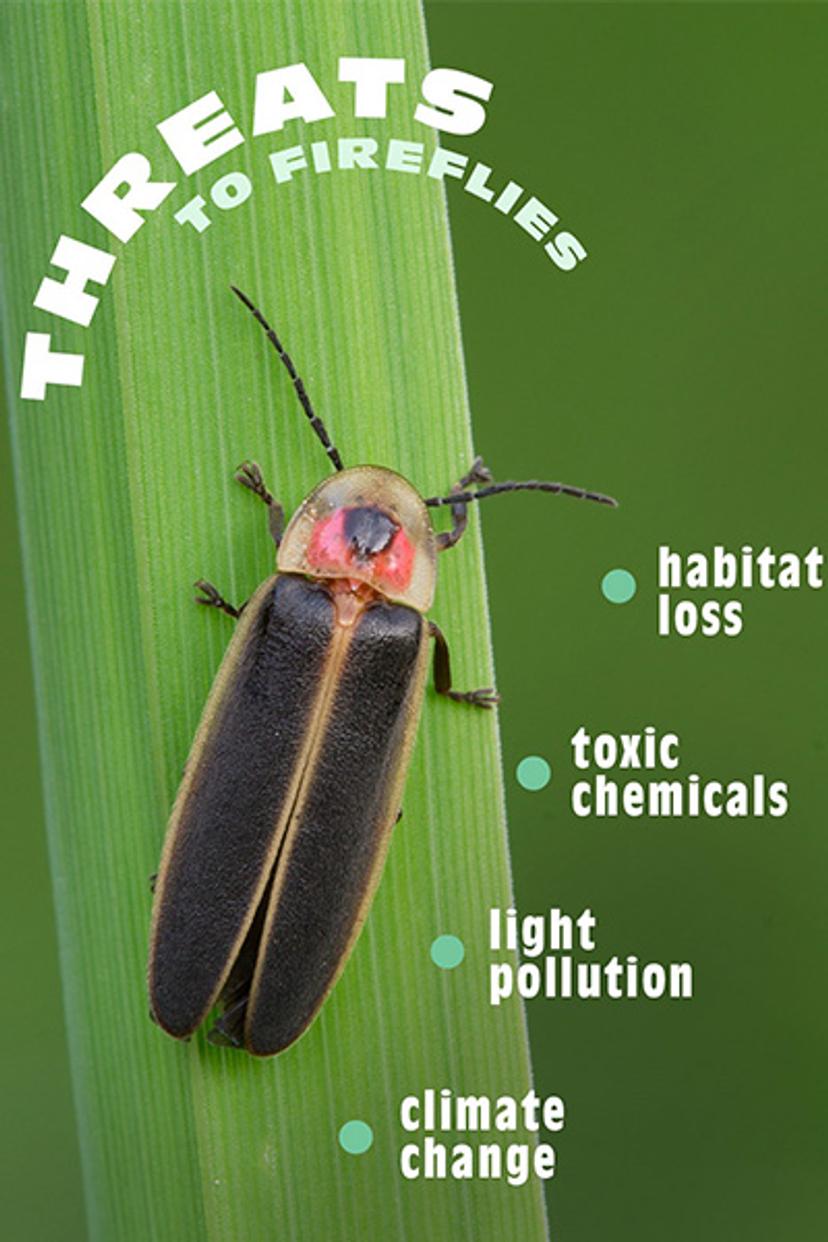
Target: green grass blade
[{"x": 126, "y": 497}]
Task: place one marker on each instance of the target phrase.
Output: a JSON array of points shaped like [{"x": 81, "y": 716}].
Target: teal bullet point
[
  {"x": 533, "y": 773},
  {"x": 618, "y": 586},
  {"x": 447, "y": 952},
  {"x": 356, "y": 1137}
]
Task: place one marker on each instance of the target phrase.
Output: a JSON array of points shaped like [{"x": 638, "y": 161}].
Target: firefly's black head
[{"x": 368, "y": 531}]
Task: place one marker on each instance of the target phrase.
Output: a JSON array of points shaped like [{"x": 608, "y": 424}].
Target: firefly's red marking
[{"x": 331, "y": 552}]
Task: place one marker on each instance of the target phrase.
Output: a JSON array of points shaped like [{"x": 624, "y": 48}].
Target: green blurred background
[{"x": 682, "y": 367}]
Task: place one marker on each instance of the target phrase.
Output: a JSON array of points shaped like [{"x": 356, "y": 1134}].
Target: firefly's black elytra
[{"x": 281, "y": 826}]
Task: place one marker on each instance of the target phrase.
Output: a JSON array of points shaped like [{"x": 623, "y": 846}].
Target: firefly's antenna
[
  {"x": 304, "y": 400},
  {"x": 531, "y": 485}
]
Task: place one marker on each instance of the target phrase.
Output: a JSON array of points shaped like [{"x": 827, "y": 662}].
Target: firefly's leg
[
  {"x": 211, "y": 598},
  {"x": 250, "y": 476},
  {"x": 442, "y": 675},
  {"x": 228, "y": 1030},
  {"x": 459, "y": 512}
]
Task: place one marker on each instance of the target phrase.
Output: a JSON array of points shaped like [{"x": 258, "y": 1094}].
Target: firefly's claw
[
  {"x": 249, "y": 475},
  {"x": 209, "y": 594},
  {"x": 479, "y": 473},
  {"x": 211, "y": 598},
  {"x": 487, "y": 697}
]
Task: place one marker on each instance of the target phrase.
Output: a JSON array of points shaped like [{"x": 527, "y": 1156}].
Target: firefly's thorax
[{"x": 366, "y": 525}]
